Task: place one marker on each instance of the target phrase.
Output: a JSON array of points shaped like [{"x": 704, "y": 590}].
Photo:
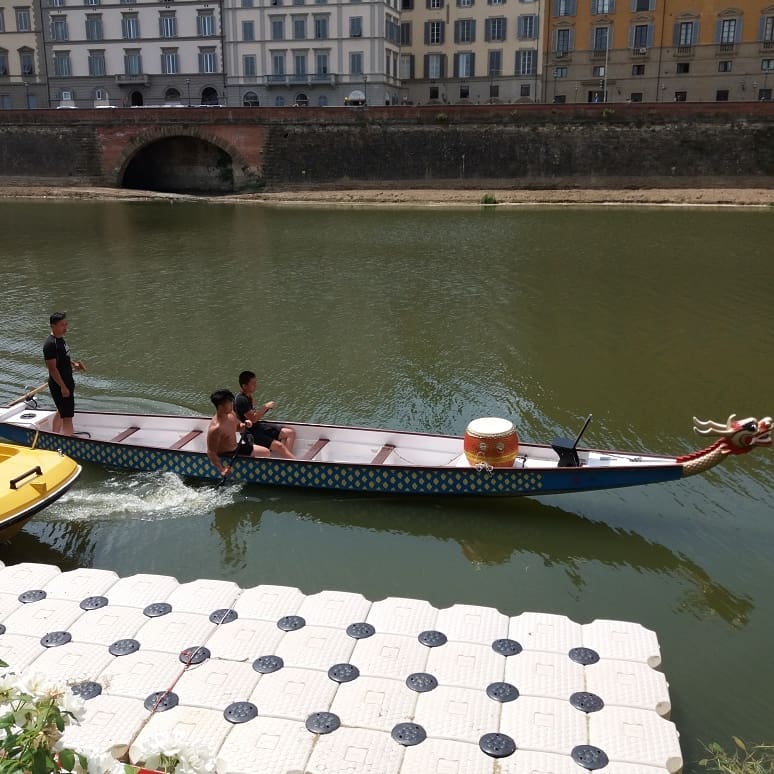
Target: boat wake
[{"x": 141, "y": 496}]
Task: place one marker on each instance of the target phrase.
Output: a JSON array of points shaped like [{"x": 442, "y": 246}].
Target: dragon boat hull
[{"x": 338, "y": 458}]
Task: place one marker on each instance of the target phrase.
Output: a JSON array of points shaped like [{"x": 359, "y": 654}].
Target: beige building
[
  {"x": 312, "y": 52},
  {"x": 124, "y": 53},
  {"x": 22, "y": 71},
  {"x": 472, "y": 51}
]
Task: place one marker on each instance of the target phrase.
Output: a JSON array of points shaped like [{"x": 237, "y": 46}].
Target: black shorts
[
  {"x": 264, "y": 434},
  {"x": 65, "y": 406},
  {"x": 245, "y": 449}
]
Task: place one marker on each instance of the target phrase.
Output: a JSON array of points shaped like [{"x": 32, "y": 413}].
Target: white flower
[
  {"x": 74, "y": 704},
  {"x": 37, "y": 685}
]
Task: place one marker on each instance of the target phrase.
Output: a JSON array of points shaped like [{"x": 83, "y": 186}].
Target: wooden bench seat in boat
[
  {"x": 383, "y": 453},
  {"x": 187, "y": 438},
  {"x": 124, "y": 434},
  {"x": 315, "y": 449}
]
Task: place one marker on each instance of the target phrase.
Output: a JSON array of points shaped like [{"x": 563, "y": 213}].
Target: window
[
  {"x": 495, "y": 2},
  {"x": 767, "y": 29},
  {"x": 355, "y": 26},
  {"x": 57, "y": 3},
  {"x": 23, "y": 20},
  {"x": 433, "y": 92},
  {"x": 248, "y": 30},
  {"x": 686, "y": 34},
  {"x": 495, "y": 28},
  {"x": 278, "y": 65},
  {"x": 62, "y": 63},
  {"x": 526, "y": 62},
  {"x": 464, "y": 91},
  {"x": 208, "y": 62},
  {"x": 2, "y": 20},
  {"x": 683, "y": 68},
  {"x": 727, "y": 32},
  {"x": 320, "y": 27},
  {"x": 767, "y": 64},
  {"x": 92, "y": 2},
  {"x": 132, "y": 61},
  {"x": 724, "y": 66},
  {"x": 464, "y": 31},
  {"x": 247, "y": 3},
  {"x": 299, "y": 27},
  {"x": 299, "y": 61},
  {"x": 406, "y": 67},
  {"x": 434, "y": 32},
  {"x": 3, "y": 62},
  {"x": 435, "y": 66},
  {"x": 250, "y": 99},
  {"x": 5, "y": 101},
  {"x": 635, "y": 96},
  {"x": 494, "y": 91},
  {"x": 681, "y": 96},
  {"x": 170, "y": 62},
  {"x": 465, "y": 3},
  {"x": 94, "y": 27},
  {"x": 525, "y": 90},
  {"x": 563, "y": 41},
  {"x": 638, "y": 69},
  {"x": 168, "y": 24},
  {"x": 407, "y": 5},
  {"x": 205, "y": 24},
  {"x": 435, "y": 5},
  {"x": 278, "y": 29},
  {"x": 641, "y": 36},
  {"x": 527, "y": 27},
  {"x": 564, "y": 7},
  {"x": 172, "y": 95},
  {"x": 721, "y": 95},
  {"x": 405, "y": 33},
  {"x": 130, "y": 26},
  {"x": 279, "y": 101},
  {"x": 59, "y": 28},
  {"x": 495, "y": 64},
  {"x": 602, "y": 6},
  {"x": 27, "y": 61},
  {"x": 601, "y": 37},
  {"x": 356, "y": 63},
  {"x": 97, "y": 63},
  {"x": 322, "y": 100},
  {"x": 643, "y": 5},
  {"x": 464, "y": 65},
  {"x": 249, "y": 66},
  {"x": 321, "y": 63},
  {"x": 560, "y": 72},
  {"x": 598, "y": 71}
]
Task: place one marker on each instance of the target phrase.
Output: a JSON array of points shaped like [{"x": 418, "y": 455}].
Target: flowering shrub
[{"x": 33, "y": 714}]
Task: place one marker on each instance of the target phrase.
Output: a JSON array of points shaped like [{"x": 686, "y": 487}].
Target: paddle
[
  {"x": 222, "y": 479},
  {"x": 28, "y": 395}
]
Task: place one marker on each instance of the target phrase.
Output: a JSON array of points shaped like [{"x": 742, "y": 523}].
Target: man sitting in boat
[{"x": 265, "y": 434}]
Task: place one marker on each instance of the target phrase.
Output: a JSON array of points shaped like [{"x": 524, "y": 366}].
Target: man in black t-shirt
[
  {"x": 276, "y": 439},
  {"x": 60, "y": 373}
]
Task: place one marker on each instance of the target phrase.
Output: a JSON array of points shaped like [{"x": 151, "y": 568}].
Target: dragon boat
[{"x": 488, "y": 460}]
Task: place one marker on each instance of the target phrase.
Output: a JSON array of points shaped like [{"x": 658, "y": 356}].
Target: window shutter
[
  {"x": 473, "y": 31},
  {"x": 505, "y": 30},
  {"x": 675, "y": 34},
  {"x": 517, "y": 66},
  {"x": 738, "y": 36},
  {"x": 521, "y": 24},
  {"x": 427, "y": 32},
  {"x": 443, "y": 33},
  {"x": 427, "y": 4},
  {"x": 457, "y": 32},
  {"x": 473, "y": 65},
  {"x": 650, "y": 36},
  {"x": 593, "y": 7},
  {"x": 572, "y": 40},
  {"x": 456, "y": 66},
  {"x": 487, "y": 29},
  {"x": 443, "y": 65},
  {"x": 611, "y": 6},
  {"x": 411, "y": 66},
  {"x": 718, "y": 30},
  {"x": 427, "y": 65},
  {"x": 762, "y": 28},
  {"x": 633, "y": 5},
  {"x": 695, "y": 33},
  {"x": 573, "y": 7},
  {"x": 556, "y": 8}
]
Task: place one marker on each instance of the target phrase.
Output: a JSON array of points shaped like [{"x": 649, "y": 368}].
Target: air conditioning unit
[{"x": 642, "y": 51}]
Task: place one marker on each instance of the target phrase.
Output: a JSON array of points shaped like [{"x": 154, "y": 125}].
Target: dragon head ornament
[{"x": 737, "y": 436}]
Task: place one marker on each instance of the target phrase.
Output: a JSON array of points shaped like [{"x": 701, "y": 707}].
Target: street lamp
[
  {"x": 188, "y": 88},
  {"x": 365, "y": 89}
]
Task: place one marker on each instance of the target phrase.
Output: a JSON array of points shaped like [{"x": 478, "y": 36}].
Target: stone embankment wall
[{"x": 524, "y": 146}]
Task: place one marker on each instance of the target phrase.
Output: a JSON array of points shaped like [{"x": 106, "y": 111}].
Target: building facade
[{"x": 22, "y": 63}]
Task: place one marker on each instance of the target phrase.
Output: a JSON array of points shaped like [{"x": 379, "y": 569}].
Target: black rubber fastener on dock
[
  {"x": 55, "y": 639},
  {"x": 196, "y": 654},
  {"x": 93, "y": 603},
  {"x": 268, "y": 664},
  {"x": 2, "y": 629},
  {"x": 409, "y": 734},
  {"x": 589, "y": 757},
  {"x": 506, "y": 647},
  {"x": 360, "y": 631},
  {"x": 240, "y": 712},
  {"x": 497, "y": 745},
  {"x": 223, "y": 616},
  {"x": 586, "y": 702},
  {"x": 584, "y": 656},
  {"x": 322, "y": 722},
  {"x": 157, "y": 609},
  {"x": 432, "y": 639},
  {"x": 291, "y": 623},
  {"x": 87, "y": 689},
  {"x": 502, "y": 692},
  {"x": 343, "y": 673},
  {"x": 34, "y": 595},
  {"x": 421, "y": 682},
  {"x": 161, "y": 701},
  {"x": 124, "y": 647}
]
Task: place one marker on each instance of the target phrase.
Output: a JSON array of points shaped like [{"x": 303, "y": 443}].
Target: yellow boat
[{"x": 30, "y": 479}]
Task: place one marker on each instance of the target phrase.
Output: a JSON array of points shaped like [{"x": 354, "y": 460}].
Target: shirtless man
[{"x": 265, "y": 434}]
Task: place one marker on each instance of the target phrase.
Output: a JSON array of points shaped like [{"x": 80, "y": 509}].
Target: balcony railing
[
  {"x": 639, "y": 51},
  {"x": 141, "y": 79},
  {"x": 684, "y": 50},
  {"x": 599, "y": 53},
  {"x": 727, "y": 48},
  {"x": 767, "y": 45}
]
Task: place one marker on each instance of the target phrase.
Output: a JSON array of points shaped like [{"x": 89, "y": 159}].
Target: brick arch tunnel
[{"x": 181, "y": 164}]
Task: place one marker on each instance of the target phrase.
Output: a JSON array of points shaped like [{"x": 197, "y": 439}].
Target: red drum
[{"x": 491, "y": 440}]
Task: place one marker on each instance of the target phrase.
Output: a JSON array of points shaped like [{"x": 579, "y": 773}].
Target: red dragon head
[{"x": 738, "y": 436}]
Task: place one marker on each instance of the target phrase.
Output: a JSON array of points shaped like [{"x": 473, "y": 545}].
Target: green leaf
[
  {"x": 60, "y": 724},
  {"x": 67, "y": 759}
]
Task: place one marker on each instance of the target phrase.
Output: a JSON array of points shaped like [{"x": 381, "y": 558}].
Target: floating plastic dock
[{"x": 274, "y": 681}]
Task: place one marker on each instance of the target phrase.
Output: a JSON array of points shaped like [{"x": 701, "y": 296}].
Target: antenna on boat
[{"x": 566, "y": 449}]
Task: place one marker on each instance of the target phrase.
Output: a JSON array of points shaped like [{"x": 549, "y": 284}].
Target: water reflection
[{"x": 490, "y": 535}]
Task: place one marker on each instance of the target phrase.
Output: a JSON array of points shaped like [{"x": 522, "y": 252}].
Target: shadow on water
[{"x": 490, "y": 535}]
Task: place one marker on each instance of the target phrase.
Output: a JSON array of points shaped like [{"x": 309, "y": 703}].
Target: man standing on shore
[{"x": 60, "y": 373}]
